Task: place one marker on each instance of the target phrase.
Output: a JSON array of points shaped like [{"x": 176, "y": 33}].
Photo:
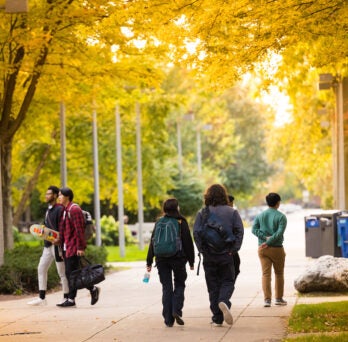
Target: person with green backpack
[{"x": 172, "y": 245}]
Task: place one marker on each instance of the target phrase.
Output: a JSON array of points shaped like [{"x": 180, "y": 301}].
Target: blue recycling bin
[{"x": 342, "y": 228}]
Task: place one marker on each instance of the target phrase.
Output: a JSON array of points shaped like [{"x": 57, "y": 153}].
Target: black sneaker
[
  {"x": 178, "y": 319},
  {"x": 267, "y": 303},
  {"x": 67, "y": 303},
  {"x": 280, "y": 301},
  {"x": 95, "y": 295}
]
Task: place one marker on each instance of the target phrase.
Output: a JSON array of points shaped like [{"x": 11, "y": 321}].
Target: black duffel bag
[{"x": 86, "y": 276}]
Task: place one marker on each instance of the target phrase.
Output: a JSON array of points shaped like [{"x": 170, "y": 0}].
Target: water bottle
[{"x": 146, "y": 277}]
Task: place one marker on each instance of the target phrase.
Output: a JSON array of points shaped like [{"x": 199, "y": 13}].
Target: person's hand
[
  {"x": 80, "y": 252},
  {"x": 263, "y": 246},
  {"x": 56, "y": 242},
  {"x": 148, "y": 268}
]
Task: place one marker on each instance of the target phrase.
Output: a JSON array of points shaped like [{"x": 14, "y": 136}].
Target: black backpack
[{"x": 214, "y": 237}]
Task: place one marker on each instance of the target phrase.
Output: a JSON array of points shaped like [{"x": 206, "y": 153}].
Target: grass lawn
[
  {"x": 319, "y": 322},
  {"x": 132, "y": 253}
]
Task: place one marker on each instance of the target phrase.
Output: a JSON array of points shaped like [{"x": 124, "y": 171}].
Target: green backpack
[{"x": 166, "y": 239}]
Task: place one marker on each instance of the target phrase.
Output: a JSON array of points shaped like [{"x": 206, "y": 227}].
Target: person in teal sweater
[{"x": 269, "y": 226}]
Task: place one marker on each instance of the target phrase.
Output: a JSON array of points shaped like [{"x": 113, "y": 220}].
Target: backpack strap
[
  {"x": 180, "y": 221},
  {"x": 205, "y": 214},
  {"x": 68, "y": 211},
  {"x": 199, "y": 262}
]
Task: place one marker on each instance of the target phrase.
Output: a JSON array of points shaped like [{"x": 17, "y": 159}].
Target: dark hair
[
  {"x": 171, "y": 207},
  {"x": 230, "y": 198},
  {"x": 67, "y": 192},
  {"x": 272, "y": 199},
  {"x": 215, "y": 195},
  {"x": 54, "y": 189}
]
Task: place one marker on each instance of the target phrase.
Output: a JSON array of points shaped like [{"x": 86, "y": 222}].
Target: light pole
[
  {"x": 121, "y": 240},
  {"x": 96, "y": 180},
  {"x": 139, "y": 177},
  {"x": 178, "y": 132},
  {"x": 63, "y": 171}
]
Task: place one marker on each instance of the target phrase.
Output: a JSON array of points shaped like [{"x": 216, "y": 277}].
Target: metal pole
[
  {"x": 63, "y": 169},
  {"x": 340, "y": 122},
  {"x": 178, "y": 128},
  {"x": 96, "y": 180},
  {"x": 139, "y": 177},
  {"x": 199, "y": 151},
  {"x": 121, "y": 237}
]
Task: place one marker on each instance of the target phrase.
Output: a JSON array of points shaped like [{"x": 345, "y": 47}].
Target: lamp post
[
  {"x": 139, "y": 177},
  {"x": 121, "y": 239},
  {"x": 96, "y": 180},
  {"x": 63, "y": 170}
]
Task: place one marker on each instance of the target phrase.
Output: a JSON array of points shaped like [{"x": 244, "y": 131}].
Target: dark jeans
[
  {"x": 72, "y": 264},
  {"x": 220, "y": 278},
  {"x": 236, "y": 262},
  {"x": 172, "y": 296}
]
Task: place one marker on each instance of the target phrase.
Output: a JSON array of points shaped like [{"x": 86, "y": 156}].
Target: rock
[{"x": 327, "y": 274}]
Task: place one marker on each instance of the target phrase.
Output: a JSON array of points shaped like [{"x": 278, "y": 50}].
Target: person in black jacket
[
  {"x": 173, "y": 296},
  {"x": 219, "y": 267},
  {"x": 50, "y": 252}
]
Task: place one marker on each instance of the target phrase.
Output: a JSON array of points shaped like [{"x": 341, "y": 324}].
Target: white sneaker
[
  {"x": 37, "y": 302},
  {"x": 63, "y": 301},
  {"x": 218, "y": 325},
  {"x": 226, "y": 312}
]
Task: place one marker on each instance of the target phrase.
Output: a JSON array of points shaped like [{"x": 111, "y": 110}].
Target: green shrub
[
  {"x": 96, "y": 254},
  {"x": 109, "y": 232},
  {"x": 19, "y": 272}
]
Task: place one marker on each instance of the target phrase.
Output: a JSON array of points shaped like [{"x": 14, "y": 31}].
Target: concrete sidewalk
[{"x": 130, "y": 310}]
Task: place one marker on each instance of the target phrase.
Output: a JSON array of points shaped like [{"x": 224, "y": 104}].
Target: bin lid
[{"x": 312, "y": 222}]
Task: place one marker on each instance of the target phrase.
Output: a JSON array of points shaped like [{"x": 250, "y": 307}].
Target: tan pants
[{"x": 272, "y": 256}]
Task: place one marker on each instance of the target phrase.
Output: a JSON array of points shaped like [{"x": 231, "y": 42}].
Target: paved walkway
[{"x": 130, "y": 310}]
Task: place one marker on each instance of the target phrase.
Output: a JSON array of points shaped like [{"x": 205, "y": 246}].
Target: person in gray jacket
[{"x": 219, "y": 267}]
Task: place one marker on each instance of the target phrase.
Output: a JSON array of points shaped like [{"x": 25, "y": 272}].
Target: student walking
[
  {"x": 72, "y": 241},
  {"x": 269, "y": 226},
  {"x": 171, "y": 264},
  {"x": 219, "y": 265},
  {"x": 50, "y": 252}
]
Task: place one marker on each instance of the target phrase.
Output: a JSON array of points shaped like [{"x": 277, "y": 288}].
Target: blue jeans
[{"x": 172, "y": 294}]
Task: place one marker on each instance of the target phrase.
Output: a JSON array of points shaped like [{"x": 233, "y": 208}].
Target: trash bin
[
  {"x": 321, "y": 234},
  {"x": 313, "y": 237},
  {"x": 329, "y": 236},
  {"x": 342, "y": 227}
]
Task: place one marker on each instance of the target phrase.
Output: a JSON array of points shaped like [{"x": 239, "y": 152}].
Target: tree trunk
[
  {"x": 6, "y": 159},
  {"x": 2, "y": 240}
]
